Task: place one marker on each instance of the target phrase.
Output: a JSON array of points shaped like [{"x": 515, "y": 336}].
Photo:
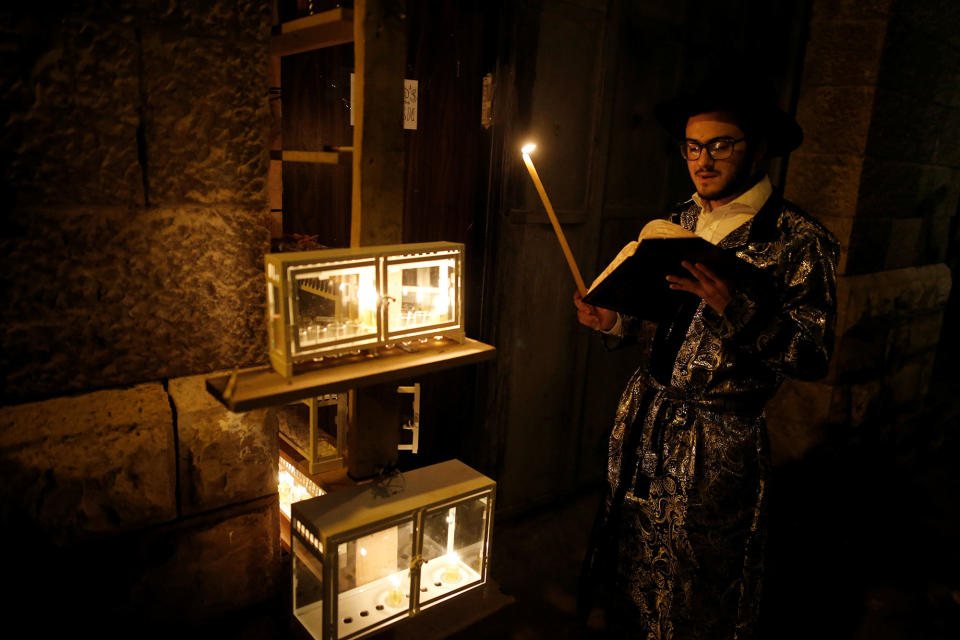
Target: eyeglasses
[{"x": 718, "y": 148}]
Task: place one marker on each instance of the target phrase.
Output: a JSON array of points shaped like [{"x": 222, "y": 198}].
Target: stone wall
[
  {"x": 134, "y": 223},
  {"x": 879, "y": 104},
  {"x": 146, "y": 504},
  {"x": 134, "y": 218}
]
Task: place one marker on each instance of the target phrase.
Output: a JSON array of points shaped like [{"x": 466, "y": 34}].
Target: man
[{"x": 681, "y": 534}]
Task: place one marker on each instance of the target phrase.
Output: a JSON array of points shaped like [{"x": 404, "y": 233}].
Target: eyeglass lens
[{"x": 719, "y": 149}]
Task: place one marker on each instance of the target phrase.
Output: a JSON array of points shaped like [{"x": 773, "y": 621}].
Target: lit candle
[
  {"x": 367, "y": 300},
  {"x": 526, "y": 150},
  {"x": 394, "y": 595},
  {"x": 451, "y": 574}
]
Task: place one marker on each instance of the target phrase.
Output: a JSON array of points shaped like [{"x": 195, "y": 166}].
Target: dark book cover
[{"x": 638, "y": 285}]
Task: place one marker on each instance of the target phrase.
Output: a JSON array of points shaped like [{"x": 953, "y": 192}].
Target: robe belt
[
  {"x": 742, "y": 403},
  {"x": 650, "y": 465}
]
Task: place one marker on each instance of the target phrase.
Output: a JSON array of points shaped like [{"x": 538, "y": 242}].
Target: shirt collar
[{"x": 754, "y": 197}]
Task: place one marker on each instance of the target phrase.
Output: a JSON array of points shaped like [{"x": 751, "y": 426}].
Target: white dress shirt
[{"x": 715, "y": 225}]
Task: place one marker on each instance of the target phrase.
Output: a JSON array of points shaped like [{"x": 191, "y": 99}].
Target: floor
[{"x": 864, "y": 544}]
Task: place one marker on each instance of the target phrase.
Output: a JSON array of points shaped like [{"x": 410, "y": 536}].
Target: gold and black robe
[{"x": 682, "y": 531}]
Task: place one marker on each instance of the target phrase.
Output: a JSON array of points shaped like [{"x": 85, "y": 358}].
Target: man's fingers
[
  {"x": 708, "y": 272},
  {"x": 700, "y": 271},
  {"x": 681, "y": 280}
]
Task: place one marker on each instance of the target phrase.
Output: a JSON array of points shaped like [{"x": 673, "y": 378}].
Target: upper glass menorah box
[{"x": 335, "y": 301}]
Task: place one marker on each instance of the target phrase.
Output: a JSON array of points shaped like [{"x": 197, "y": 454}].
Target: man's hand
[
  {"x": 594, "y": 317},
  {"x": 705, "y": 284}
]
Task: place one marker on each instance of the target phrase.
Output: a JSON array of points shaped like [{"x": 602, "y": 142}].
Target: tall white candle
[{"x": 526, "y": 150}]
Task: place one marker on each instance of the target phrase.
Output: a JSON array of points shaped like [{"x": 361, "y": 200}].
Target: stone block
[
  {"x": 936, "y": 239},
  {"x": 924, "y": 333},
  {"x": 842, "y": 228},
  {"x": 894, "y": 189},
  {"x": 906, "y": 241},
  {"x": 850, "y": 9},
  {"x": 869, "y": 243},
  {"x": 225, "y": 457},
  {"x": 129, "y": 295},
  {"x": 207, "y": 119},
  {"x": 835, "y": 120},
  {"x": 215, "y": 19},
  {"x": 859, "y": 354},
  {"x": 824, "y": 184},
  {"x": 254, "y": 19},
  {"x": 654, "y": 12},
  {"x": 866, "y": 402},
  {"x": 906, "y": 128},
  {"x": 937, "y": 18},
  {"x": 185, "y": 578},
  {"x": 947, "y": 152},
  {"x": 920, "y": 65},
  {"x": 915, "y": 337},
  {"x": 87, "y": 466},
  {"x": 894, "y": 397},
  {"x": 800, "y": 415},
  {"x": 905, "y": 387},
  {"x": 71, "y": 101},
  {"x": 844, "y": 52},
  {"x": 201, "y": 568},
  {"x": 891, "y": 297}
]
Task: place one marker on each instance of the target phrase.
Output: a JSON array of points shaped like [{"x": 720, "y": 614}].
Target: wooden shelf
[
  {"x": 326, "y": 29},
  {"x": 343, "y": 156},
  {"x": 260, "y": 387}
]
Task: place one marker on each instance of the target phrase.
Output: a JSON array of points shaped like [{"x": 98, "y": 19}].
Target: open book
[{"x": 635, "y": 282}]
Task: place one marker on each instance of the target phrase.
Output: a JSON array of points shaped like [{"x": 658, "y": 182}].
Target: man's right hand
[{"x": 594, "y": 317}]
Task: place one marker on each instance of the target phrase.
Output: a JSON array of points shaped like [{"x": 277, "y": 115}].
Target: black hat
[{"x": 756, "y": 111}]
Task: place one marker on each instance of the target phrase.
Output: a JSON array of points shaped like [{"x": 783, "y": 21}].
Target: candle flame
[{"x": 528, "y": 148}]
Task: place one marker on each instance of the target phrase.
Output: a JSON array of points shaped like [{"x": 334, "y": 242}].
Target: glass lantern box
[
  {"x": 330, "y": 302},
  {"x": 374, "y": 554},
  {"x": 316, "y": 428}
]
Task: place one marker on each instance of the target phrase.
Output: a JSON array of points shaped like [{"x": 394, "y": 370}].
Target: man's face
[{"x": 719, "y": 181}]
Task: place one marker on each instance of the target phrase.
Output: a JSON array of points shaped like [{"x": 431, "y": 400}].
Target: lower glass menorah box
[{"x": 374, "y": 554}]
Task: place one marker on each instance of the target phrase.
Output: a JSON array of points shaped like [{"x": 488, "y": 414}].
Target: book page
[
  {"x": 653, "y": 229},
  {"x": 664, "y": 229},
  {"x": 625, "y": 253}
]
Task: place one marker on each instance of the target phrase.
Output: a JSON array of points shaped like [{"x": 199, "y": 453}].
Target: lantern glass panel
[
  {"x": 334, "y": 305},
  {"x": 374, "y": 578},
  {"x": 307, "y": 585},
  {"x": 423, "y": 293},
  {"x": 275, "y": 315},
  {"x": 454, "y": 547}
]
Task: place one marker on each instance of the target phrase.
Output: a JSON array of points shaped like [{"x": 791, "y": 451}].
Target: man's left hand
[{"x": 705, "y": 283}]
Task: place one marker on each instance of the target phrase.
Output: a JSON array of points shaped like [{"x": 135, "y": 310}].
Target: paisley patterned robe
[{"x": 683, "y": 525}]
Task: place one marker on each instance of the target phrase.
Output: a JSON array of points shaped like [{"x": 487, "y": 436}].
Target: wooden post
[
  {"x": 380, "y": 54},
  {"x": 380, "y": 60},
  {"x": 374, "y": 436}
]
